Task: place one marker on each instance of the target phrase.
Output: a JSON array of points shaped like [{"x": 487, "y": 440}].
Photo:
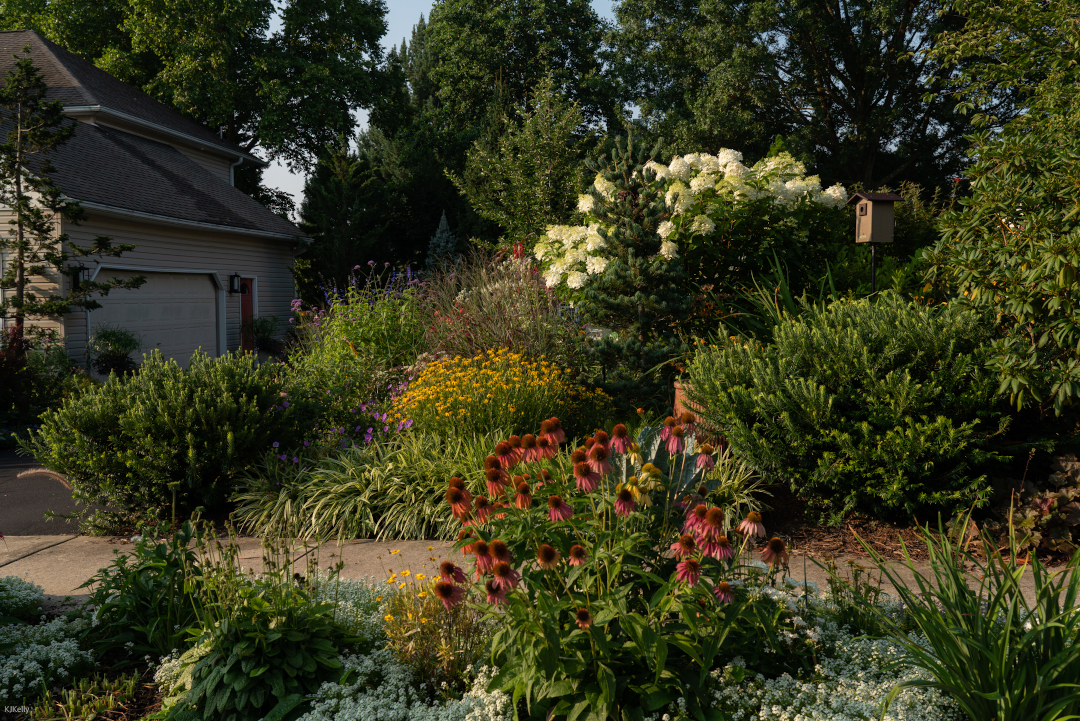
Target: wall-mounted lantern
[
  {"x": 234, "y": 283},
  {"x": 874, "y": 220},
  {"x": 79, "y": 274}
]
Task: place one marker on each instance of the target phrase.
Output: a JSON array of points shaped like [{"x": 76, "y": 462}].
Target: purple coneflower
[
  {"x": 675, "y": 440},
  {"x": 624, "y": 503},
  {"x": 545, "y": 448},
  {"x": 713, "y": 526},
  {"x": 528, "y": 447},
  {"x": 547, "y": 556},
  {"x": 555, "y": 433},
  {"x": 484, "y": 561},
  {"x": 495, "y": 594},
  {"x": 685, "y": 546},
  {"x": 523, "y": 499},
  {"x": 578, "y": 555},
  {"x": 665, "y": 432},
  {"x": 505, "y": 454},
  {"x": 506, "y": 577},
  {"x": 463, "y": 534},
  {"x": 494, "y": 480},
  {"x": 583, "y": 618},
  {"x": 451, "y": 572},
  {"x": 515, "y": 447},
  {"x": 458, "y": 505},
  {"x": 695, "y": 519},
  {"x": 603, "y": 439},
  {"x": 688, "y": 421},
  {"x": 448, "y": 593},
  {"x": 558, "y": 510},
  {"x": 483, "y": 508},
  {"x": 723, "y": 592},
  {"x": 585, "y": 477},
  {"x": 598, "y": 459},
  {"x": 705, "y": 458},
  {"x": 775, "y": 552},
  {"x": 620, "y": 439},
  {"x": 688, "y": 570},
  {"x": 722, "y": 550},
  {"x": 752, "y": 526},
  {"x": 499, "y": 551}
]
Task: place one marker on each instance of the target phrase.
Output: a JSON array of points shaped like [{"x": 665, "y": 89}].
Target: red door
[{"x": 247, "y": 341}]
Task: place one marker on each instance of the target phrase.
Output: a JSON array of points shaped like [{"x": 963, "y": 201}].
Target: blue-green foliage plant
[{"x": 875, "y": 405}]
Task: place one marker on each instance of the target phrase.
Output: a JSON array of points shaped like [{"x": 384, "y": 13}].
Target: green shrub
[
  {"x": 35, "y": 380},
  {"x": 879, "y": 406},
  {"x": 123, "y": 443},
  {"x": 144, "y": 602},
  {"x": 1001, "y": 652},
  {"x": 110, "y": 349},
  {"x": 390, "y": 490}
]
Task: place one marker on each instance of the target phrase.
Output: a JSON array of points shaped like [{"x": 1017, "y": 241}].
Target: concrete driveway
[{"x": 25, "y": 496}]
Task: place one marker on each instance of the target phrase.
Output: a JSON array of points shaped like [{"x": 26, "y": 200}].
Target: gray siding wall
[{"x": 41, "y": 286}]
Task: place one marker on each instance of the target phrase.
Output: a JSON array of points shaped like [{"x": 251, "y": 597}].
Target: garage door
[{"x": 172, "y": 312}]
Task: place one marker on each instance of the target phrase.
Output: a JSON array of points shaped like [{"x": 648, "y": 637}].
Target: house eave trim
[
  {"x": 181, "y": 223},
  {"x": 83, "y": 110}
]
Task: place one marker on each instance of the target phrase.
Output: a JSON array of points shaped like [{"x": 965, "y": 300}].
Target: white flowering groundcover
[
  {"x": 852, "y": 678},
  {"x": 695, "y": 187}
]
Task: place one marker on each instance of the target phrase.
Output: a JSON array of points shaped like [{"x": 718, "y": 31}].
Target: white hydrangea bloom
[
  {"x": 666, "y": 228},
  {"x": 835, "y": 196},
  {"x": 575, "y": 279},
  {"x": 680, "y": 169},
  {"x": 585, "y": 203},
  {"x": 595, "y": 265},
  {"x": 603, "y": 187},
  {"x": 660, "y": 170},
  {"x": 702, "y": 224},
  {"x": 679, "y": 198},
  {"x": 552, "y": 277},
  {"x": 704, "y": 181},
  {"x": 594, "y": 242},
  {"x": 727, "y": 157},
  {"x": 540, "y": 250},
  {"x": 669, "y": 250}
]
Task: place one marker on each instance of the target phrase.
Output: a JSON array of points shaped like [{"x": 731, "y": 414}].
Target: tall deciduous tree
[
  {"x": 285, "y": 93},
  {"x": 35, "y": 128},
  {"x": 529, "y": 177},
  {"x": 843, "y": 82}
]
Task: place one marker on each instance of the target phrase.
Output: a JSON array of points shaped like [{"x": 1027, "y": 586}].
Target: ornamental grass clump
[
  {"x": 496, "y": 390},
  {"x": 613, "y": 581}
]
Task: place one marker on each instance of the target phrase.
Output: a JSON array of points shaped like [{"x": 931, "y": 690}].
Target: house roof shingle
[{"x": 76, "y": 82}]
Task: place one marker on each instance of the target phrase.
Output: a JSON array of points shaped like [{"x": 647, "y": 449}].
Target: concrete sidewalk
[{"x": 60, "y": 564}]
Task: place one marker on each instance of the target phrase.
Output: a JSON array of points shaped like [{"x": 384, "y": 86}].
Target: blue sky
[{"x": 400, "y": 18}]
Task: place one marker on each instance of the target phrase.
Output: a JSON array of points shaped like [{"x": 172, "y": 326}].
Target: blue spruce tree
[{"x": 443, "y": 246}]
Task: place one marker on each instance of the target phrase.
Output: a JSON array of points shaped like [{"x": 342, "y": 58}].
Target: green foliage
[
  {"x": 878, "y": 406},
  {"x": 89, "y": 698},
  {"x": 482, "y": 305},
  {"x": 1042, "y": 516},
  {"x": 36, "y": 378},
  {"x": 32, "y": 246},
  {"x": 842, "y": 89},
  {"x": 443, "y": 245},
  {"x": 1001, "y": 648},
  {"x": 123, "y": 443},
  {"x": 640, "y": 293},
  {"x": 264, "y": 333},
  {"x": 390, "y": 490},
  {"x": 110, "y": 348},
  {"x": 532, "y": 176},
  {"x": 144, "y": 602}
]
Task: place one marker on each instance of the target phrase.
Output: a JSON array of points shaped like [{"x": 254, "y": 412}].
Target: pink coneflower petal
[
  {"x": 499, "y": 551},
  {"x": 752, "y": 526},
  {"x": 463, "y": 534},
  {"x": 458, "y": 505},
  {"x": 688, "y": 571},
  {"x": 578, "y": 555},
  {"x": 545, "y": 449},
  {"x": 723, "y": 592},
  {"x": 484, "y": 561},
  {"x": 624, "y": 503},
  {"x": 675, "y": 443},
  {"x": 598, "y": 459},
  {"x": 665, "y": 432},
  {"x": 523, "y": 499},
  {"x": 528, "y": 448},
  {"x": 620, "y": 439},
  {"x": 705, "y": 460},
  {"x": 515, "y": 447},
  {"x": 685, "y": 546},
  {"x": 508, "y": 458},
  {"x": 547, "y": 557},
  {"x": 483, "y": 508},
  {"x": 775, "y": 552},
  {"x": 713, "y": 527},
  {"x": 558, "y": 510},
  {"x": 722, "y": 549},
  {"x": 505, "y": 576},
  {"x": 583, "y": 618},
  {"x": 448, "y": 593},
  {"x": 496, "y": 595},
  {"x": 689, "y": 422},
  {"x": 451, "y": 572},
  {"x": 557, "y": 434},
  {"x": 586, "y": 478},
  {"x": 603, "y": 439}
]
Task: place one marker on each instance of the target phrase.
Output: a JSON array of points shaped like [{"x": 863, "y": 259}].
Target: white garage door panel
[{"x": 172, "y": 312}]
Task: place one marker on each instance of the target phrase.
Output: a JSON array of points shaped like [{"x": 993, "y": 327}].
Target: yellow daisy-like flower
[
  {"x": 422, "y": 594},
  {"x": 405, "y": 573},
  {"x": 388, "y": 618}
]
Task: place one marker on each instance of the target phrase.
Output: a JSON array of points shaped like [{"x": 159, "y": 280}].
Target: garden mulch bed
[{"x": 789, "y": 519}]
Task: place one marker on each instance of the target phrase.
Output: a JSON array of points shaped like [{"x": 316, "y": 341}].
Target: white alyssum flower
[
  {"x": 666, "y": 228},
  {"x": 19, "y": 597},
  {"x": 41, "y": 656},
  {"x": 585, "y": 203},
  {"x": 702, "y": 224},
  {"x": 669, "y": 250}
]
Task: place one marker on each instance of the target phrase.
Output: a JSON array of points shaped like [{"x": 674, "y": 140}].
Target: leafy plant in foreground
[{"x": 998, "y": 652}]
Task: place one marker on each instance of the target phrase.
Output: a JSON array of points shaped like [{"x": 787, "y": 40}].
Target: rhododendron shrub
[{"x": 615, "y": 585}]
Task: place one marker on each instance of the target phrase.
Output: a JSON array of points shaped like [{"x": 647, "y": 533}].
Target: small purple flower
[
  {"x": 295, "y": 459},
  {"x": 371, "y": 262},
  {"x": 356, "y": 267},
  {"x": 285, "y": 404},
  {"x": 275, "y": 444},
  {"x": 282, "y": 456},
  {"x": 385, "y": 429},
  {"x": 306, "y": 444}
]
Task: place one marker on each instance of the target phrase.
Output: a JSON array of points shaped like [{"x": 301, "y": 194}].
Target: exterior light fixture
[
  {"x": 874, "y": 221},
  {"x": 234, "y": 283}
]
